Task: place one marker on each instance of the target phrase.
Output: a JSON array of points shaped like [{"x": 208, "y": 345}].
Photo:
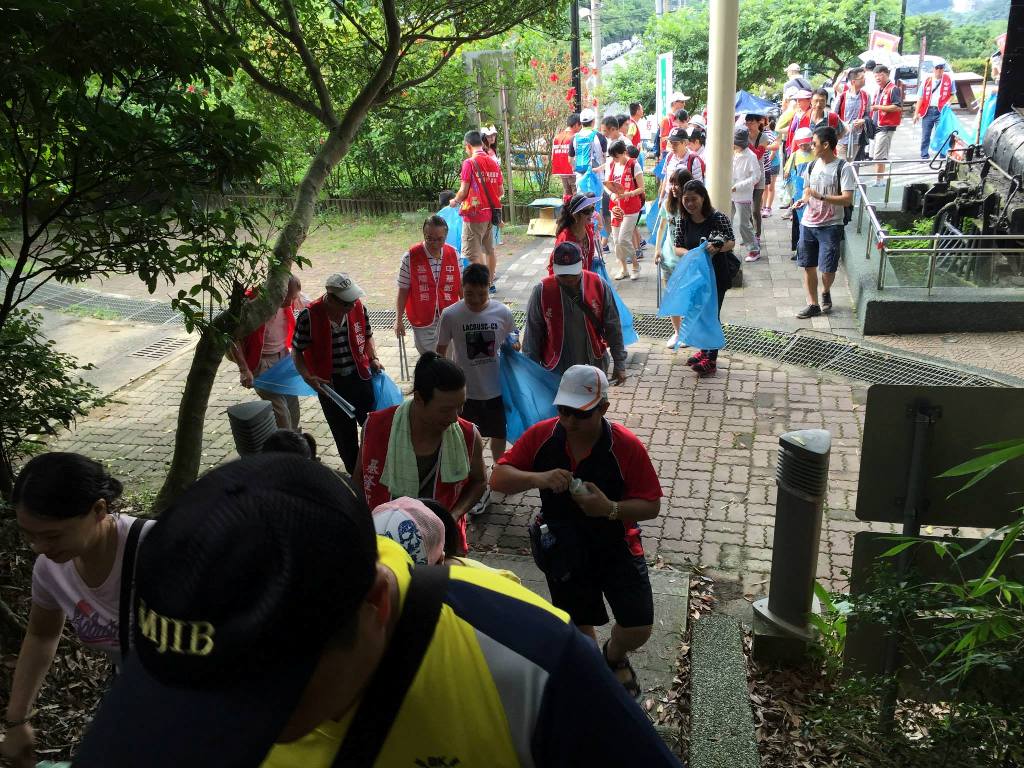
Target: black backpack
[{"x": 847, "y": 209}]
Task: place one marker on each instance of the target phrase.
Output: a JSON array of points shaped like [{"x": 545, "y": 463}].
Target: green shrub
[{"x": 973, "y": 64}]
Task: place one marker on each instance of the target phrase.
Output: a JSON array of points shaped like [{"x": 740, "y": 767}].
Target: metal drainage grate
[{"x": 162, "y": 348}]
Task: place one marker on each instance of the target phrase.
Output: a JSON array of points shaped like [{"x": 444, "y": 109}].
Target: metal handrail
[{"x": 945, "y": 244}]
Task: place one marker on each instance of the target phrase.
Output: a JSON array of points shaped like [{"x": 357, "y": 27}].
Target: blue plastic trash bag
[
  {"x": 590, "y": 184},
  {"x": 385, "y": 392},
  {"x": 497, "y": 236},
  {"x": 691, "y": 293},
  {"x": 988, "y": 114},
  {"x": 454, "y": 220},
  {"x": 946, "y": 124},
  {"x": 669, "y": 260},
  {"x": 283, "y": 379},
  {"x": 629, "y": 335},
  {"x": 651, "y": 219},
  {"x": 528, "y": 391},
  {"x": 659, "y": 169}
]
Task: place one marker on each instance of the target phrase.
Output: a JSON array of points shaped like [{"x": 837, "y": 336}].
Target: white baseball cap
[
  {"x": 678, "y": 96},
  {"x": 587, "y": 116},
  {"x": 802, "y": 136},
  {"x": 344, "y": 287},
  {"x": 582, "y": 387},
  {"x": 489, "y": 130}
]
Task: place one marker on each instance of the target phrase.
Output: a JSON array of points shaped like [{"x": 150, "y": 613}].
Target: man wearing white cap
[
  {"x": 794, "y": 80},
  {"x": 588, "y": 147},
  {"x": 596, "y": 482},
  {"x": 572, "y": 319},
  {"x": 677, "y": 101},
  {"x": 333, "y": 346}
]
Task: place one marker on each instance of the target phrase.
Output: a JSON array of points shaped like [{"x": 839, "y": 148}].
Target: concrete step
[
  {"x": 655, "y": 662},
  {"x": 721, "y": 723}
]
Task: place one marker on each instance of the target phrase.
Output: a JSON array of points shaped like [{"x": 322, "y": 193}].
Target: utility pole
[
  {"x": 724, "y": 45},
  {"x": 659, "y": 7},
  {"x": 903, "y": 20},
  {"x": 595, "y": 35},
  {"x": 574, "y": 53}
]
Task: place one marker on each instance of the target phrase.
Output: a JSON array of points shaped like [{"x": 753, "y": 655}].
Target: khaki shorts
[
  {"x": 880, "y": 147},
  {"x": 477, "y": 239}
]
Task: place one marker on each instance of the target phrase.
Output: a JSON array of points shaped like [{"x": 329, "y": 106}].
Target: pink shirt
[{"x": 93, "y": 612}]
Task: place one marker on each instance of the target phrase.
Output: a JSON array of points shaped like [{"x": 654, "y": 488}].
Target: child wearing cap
[
  {"x": 795, "y": 166},
  {"x": 746, "y": 170}
]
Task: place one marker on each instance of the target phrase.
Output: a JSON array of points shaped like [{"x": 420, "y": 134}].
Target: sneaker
[
  {"x": 638, "y": 255},
  {"x": 481, "y": 506},
  {"x": 672, "y": 341},
  {"x": 787, "y": 216},
  {"x": 793, "y": 257},
  {"x": 766, "y": 213},
  {"x": 622, "y": 275},
  {"x": 786, "y": 205},
  {"x": 605, "y": 248},
  {"x": 635, "y": 274},
  {"x": 705, "y": 367},
  {"x": 753, "y": 256},
  {"x": 643, "y": 244},
  {"x": 695, "y": 358},
  {"x": 811, "y": 310},
  {"x": 826, "y": 301},
  {"x": 492, "y": 289}
]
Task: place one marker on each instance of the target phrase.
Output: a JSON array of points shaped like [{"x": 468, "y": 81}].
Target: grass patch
[{"x": 97, "y": 313}]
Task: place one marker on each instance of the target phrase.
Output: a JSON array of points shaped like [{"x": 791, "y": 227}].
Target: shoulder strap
[
  {"x": 839, "y": 176},
  {"x": 124, "y": 608},
  {"x": 390, "y": 683},
  {"x": 483, "y": 184},
  {"x": 580, "y": 301}
]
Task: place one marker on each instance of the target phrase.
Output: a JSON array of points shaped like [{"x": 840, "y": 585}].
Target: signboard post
[{"x": 663, "y": 86}]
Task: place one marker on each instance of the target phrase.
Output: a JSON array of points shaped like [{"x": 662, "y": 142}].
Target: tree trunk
[{"x": 188, "y": 439}]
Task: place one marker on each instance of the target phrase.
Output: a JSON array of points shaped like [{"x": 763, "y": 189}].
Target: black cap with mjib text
[{"x": 239, "y": 587}]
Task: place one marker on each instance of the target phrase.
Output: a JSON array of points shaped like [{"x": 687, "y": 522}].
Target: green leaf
[
  {"x": 900, "y": 548},
  {"x": 993, "y": 459}
]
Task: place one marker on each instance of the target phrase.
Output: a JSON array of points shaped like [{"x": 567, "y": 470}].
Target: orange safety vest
[
  {"x": 427, "y": 297},
  {"x": 554, "y": 320},
  {"x": 635, "y": 136},
  {"x": 319, "y": 355},
  {"x": 373, "y": 454},
  {"x": 945, "y": 93},
  {"x": 561, "y": 165}
]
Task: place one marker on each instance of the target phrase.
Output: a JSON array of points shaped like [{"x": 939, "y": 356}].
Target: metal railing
[{"x": 950, "y": 256}]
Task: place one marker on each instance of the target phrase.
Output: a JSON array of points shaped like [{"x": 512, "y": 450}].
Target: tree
[
  {"x": 336, "y": 62},
  {"x": 110, "y": 153},
  {"x": 823, "y": 35},
  {"x": 933, "y": 27}
]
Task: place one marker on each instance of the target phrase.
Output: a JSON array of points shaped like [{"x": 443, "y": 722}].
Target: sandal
[{"x": 632, "y": 686}]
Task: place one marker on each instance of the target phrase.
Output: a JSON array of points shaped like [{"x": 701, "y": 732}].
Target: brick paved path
[{"x": 713, "y": 442}]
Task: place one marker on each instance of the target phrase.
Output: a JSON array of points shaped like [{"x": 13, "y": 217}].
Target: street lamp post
[
  {"x": 903, "y": 20},
  {"x": 574, "y": 53}
]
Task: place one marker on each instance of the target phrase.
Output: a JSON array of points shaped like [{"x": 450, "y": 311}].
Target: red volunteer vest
[
  {"x": 861, "y": 110},
  {"x": 374, "y": 453},
  {"x": 551, "y": 307},
  {"x": 428, "y": 297},
  {"x": 319, "y": 354},
  {"x": 627, "y": 179},
  {"x": 884, "y": 98},
  {"x": 252, "y": 345},
  {"x": 560, "y": 163},
  {"x": 586, "y": 247},
  {"x": 945, "y": 93},
  {"x": 635, "y": 137}
]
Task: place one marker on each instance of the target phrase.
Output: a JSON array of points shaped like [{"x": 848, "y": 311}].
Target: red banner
[{"x": 879, "y": 40}]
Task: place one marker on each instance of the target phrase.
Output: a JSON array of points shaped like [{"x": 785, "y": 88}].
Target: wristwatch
[{"x": 614, "y": 514}]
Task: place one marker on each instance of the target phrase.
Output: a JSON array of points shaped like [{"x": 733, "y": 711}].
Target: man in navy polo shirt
[{"x": 593, "y": 521}]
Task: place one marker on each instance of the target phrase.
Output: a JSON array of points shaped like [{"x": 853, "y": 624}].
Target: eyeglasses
[{"x": 567, "y": 412}]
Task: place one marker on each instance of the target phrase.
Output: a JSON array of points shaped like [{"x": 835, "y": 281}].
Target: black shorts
[
  {"x": 488, "y": 415},
  {"x": 611, "y": 572}
]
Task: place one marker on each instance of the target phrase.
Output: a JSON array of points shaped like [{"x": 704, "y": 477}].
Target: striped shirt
[
  {"x": 343, "y": 364},
  {"x": 405, "y": 279}
]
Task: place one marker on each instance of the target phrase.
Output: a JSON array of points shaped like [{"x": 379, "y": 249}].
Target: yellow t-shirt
[{"x": 454, "y": 710}]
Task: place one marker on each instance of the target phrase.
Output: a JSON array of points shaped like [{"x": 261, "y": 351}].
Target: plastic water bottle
[{"x": 547, "y": 538}]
